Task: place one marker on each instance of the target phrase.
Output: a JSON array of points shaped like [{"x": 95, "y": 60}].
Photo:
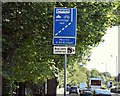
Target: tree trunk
[
  {"x": 52, "y": 86},
  {"x": 21, "y": 89},
  {"x": 6, "y": 87},
  {"x": 34, "y": 89}
]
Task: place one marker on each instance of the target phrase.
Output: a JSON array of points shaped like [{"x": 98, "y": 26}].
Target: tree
[
  {"x": 26, "y": 58},
  {"x": 117, "y": 78},
  {"x": 76, "y": 74},
  {"x": 27, "y": 49},
  {"x": 94, "y": 73}
]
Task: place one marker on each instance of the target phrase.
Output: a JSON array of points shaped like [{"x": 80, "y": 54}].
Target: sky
[{"x": 104, "y": 57}]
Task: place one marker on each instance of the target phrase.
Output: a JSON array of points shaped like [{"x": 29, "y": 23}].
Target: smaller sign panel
[
  {"x": 64, "y": 41},
  {"x": 63, "y": 50}
]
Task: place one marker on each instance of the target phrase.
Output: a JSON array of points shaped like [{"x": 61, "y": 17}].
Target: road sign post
[
  {"x": 65, "y": 74},
  {"x": 65, "y": 22}
]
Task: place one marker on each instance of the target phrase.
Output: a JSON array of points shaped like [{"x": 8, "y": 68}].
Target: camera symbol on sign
[{"x": 70, "y": 50}]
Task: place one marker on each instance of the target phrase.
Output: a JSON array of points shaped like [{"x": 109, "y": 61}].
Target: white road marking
[
  {"x": 69, "y": 23},
  {"x": 66, "y": 26},
  {"x": 63, "y": 29},
  {"x": 59, "y": 31},
  {"x": 71, "y": 15}
]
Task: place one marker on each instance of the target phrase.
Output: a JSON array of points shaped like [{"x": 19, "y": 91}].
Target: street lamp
[
  {"x": 105, "y": 66},
  {"x": 116, "y": 72}
]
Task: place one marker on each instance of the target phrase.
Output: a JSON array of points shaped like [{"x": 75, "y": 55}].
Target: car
[
  {"x": 68, "y": 88},
  {"x": 83, "y": 90},
  {"x": 101, "y": 92},
  {"x": 86, "y": 93},
  {"x": 82, "y": 87},
  {"x": 74, "y": 89},
  {"x": 115, "y": 89}
]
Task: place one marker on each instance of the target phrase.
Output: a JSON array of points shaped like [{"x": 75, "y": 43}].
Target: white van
[{"x": 95, "y": 83}]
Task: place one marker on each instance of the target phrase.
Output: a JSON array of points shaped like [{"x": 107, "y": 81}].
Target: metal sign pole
[
  {"x": 64, "y": 33},
  {"x": 65, "y": 74}
]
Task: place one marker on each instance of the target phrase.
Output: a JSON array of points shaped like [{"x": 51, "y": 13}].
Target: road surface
[{"x": 60, "y": 92}]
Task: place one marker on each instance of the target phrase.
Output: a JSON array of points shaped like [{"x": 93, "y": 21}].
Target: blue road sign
[{"x": 65, "y": 25}]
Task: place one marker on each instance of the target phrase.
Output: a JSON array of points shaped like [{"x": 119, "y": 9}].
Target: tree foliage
[
  {"x": 76, "y": 74},
  {"x": 28, "y": 32},
  {"x": 25, "y": 46}
]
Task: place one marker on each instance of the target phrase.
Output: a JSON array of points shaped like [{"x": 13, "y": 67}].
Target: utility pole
[{"x": 116, "y": 75}]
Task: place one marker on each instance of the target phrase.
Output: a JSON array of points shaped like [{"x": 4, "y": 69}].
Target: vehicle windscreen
[
  {"x": 102, "y": 92},
  {"x": 106, "y": 92},
  {"x": 74, "y": 88},
  {"x": 96, "y": 82}
]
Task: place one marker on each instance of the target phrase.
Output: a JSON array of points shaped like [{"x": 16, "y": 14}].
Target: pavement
[{"x": 60, "y": 92}]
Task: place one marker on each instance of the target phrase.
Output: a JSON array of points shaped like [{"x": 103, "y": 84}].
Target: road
[{"x": 60, "y": 92}]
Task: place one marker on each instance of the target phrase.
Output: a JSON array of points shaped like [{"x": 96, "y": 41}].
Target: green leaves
[
  {"x": 28, "y": 32},
  {"x": 76, "y": 74}
]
